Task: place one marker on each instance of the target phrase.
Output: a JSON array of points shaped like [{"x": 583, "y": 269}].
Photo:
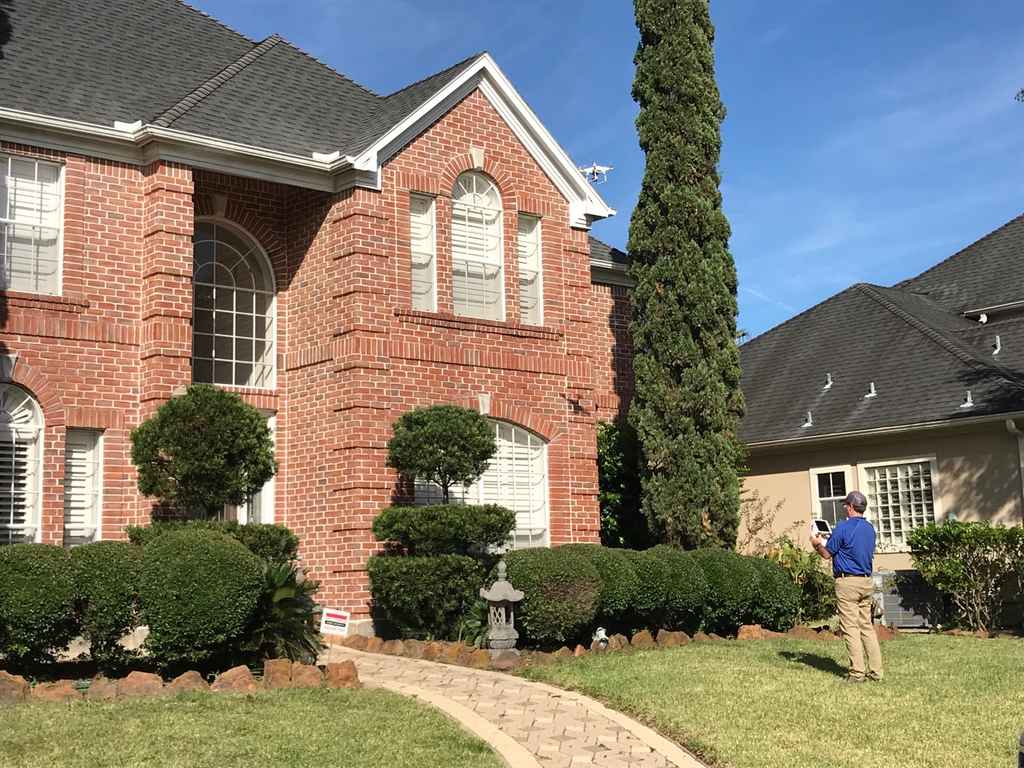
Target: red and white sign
[{"x": 334, "y": 622}]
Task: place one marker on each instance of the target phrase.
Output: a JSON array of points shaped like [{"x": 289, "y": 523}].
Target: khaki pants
[{"x": 854, "y": 595}]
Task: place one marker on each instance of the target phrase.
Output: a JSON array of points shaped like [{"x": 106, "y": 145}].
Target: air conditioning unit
[{"x": 906, "y": 600}]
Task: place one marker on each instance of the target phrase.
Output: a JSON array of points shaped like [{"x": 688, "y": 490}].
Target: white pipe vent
[{"x": 872, "y": 392}]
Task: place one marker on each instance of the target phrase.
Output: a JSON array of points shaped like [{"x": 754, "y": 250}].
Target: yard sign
[{"x": 334, "y": 622}]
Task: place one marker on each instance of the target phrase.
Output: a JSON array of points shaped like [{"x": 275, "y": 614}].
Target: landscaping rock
[
  {"x": 453, "y": 652},
  {"x": 101, "y": 689},
  {"x": 188, "y": 682},
  {"x": 883, "y": 632},
  {"x": 477, "y": 659},
  {"x": 540, "y": 659},
  {"x": 750, "y": 632},
  {"x": 393, "y": 648},
  {"x": 713, "y": 636},
  {"x": 306, "y": 676},
  {"x": 563, "y": 653},
  {"x": 596, "y": 646},
  {"x": 802, "y": 633},
  {"x": 433, "y": 651},
  {"x": 506, "y": 661},
  {"x": 580, "y": 651},
  {"x": 414, "y": 649},
  {"x": 701, "y": 637},
  {"x": 139, "y": 684},
  {"x": 277, "y": 673},
  {"x": 236, "y": 680},
  {"x": 356, "y": 642},
  {"x": 62, "y": 690},
  {"x": 642, "y": 640},
  {"x": 374, "y": 644},
  {"x": 13, "y": 688},
  {"x": 618, "y": 643},
  {"x": 669, "y": 639},
  {"x": 341, "y": 675}
]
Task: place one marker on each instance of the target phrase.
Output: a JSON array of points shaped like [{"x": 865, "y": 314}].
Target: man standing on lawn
[{"x": 852, "y": 549}]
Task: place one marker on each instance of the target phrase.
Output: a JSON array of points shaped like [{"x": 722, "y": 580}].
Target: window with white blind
[
  {"x": 21, "y": 429},
  {"x": 31, "y": 217},
  {"x": 517, "y": 479},
  {"x": 477, "y": 255},
  {"x": 83, "y": 486},
  {"x": 423, "y": 246},
  {"x": 260, "y": 507},
  {"x": 829, "y": 487},
  {"x": 531, "y": 295},
  {"x": 900, "y": 498},
  {"x": 233, "y": 309}
]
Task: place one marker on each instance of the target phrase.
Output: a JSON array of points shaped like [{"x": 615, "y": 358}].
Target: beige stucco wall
[{"x": 978, "y": 476}]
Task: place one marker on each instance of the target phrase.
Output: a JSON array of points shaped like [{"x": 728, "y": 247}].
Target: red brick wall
[{"x": 612, "y": 351}]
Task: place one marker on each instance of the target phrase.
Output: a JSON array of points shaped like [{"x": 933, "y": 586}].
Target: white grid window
[
  {"x": 260, "y": 507},
  {"x": 423, "y": 246},
  {"x": 21, "y": 427},
  {"x": 83, "y": 486},
  {"x": 233, "y": 309},
  {"x": 31, "y": 214},
  {"x": 531, "y": 294},
  {"x": 517, "y": 479},
  {"x": 900, "y": 499},
  {"x": 477, "y": 273},
  {"x": 829, "y": 488}
]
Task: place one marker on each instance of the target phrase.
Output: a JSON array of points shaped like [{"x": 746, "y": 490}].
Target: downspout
[{"x": 1013, "y": 429}]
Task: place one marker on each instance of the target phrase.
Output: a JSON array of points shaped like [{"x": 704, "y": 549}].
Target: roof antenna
[
  {"x": 871, "y": 391},
  {"x": 968, "y": 400},
  {"x": 828, "y": 381},
  {"x": 596, "y": 174},
  {"x": 809, "y": 422},
  {"x": 998, "y": 347}
]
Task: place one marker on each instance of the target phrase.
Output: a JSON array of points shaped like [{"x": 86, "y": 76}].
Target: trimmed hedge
[
  {"x": 37, "y": 602},
  {"x": 445, "y": 529},
  {"x": 731, "y": 589},
  {"x": 106, "y": 577},
  {"x": 776, "y": 600},
  {"x": 651, "y": 595},
  {"x": 562, "y": 592},
  {"x": 425, "y": 597},
  {"x": 198, "y": 593},
  {"x": 275, "y": 543},
  {"x": 687, "y": 589},
  {"x": 619, "y": 582}
]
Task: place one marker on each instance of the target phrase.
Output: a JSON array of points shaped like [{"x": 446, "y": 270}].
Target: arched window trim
[
  {"x": 268, "y": 271},
  {"x": 476, "y": 277},
  {"x": 33, "y": 430}
]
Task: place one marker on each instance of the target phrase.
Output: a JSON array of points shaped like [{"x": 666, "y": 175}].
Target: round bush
[
  {"x": 106, "y": 577},
  {"x": 731, "y": 584},
  {"x": 619, "y": 583},
  {"x": 198, "y": 592},
  {"x": 687, "y": 589},
  {"x": 776, "y": 601},
  {"x": 651, "y": 596},
  {"x": 445, "y": 529},
  {"x": 37, "y": 602},
  {"x": 274, "y": 543},
  {"x": 425, "y": 596},
  {"x": 562, "y": 588}
]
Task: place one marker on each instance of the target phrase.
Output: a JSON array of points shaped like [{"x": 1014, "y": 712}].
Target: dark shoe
[{"x": 854, "y": 680}]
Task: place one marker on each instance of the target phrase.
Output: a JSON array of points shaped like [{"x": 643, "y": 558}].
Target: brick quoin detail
[{"x": 351, "y": 354}]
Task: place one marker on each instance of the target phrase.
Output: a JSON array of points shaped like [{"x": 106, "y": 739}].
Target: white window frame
[
  {"x": 872, "y": 511},
  {"x": 431, "y": 303},
  {"x": 96, "y": 459},
  {"x": 812, "y": 475},
  {"x": 266, "y": 493},
  {"x": 479, "y": 261},
  {"x": 33, "y": 516},
  {"x": 538, "y": 233},
  {"x": 5, "y": 167}
]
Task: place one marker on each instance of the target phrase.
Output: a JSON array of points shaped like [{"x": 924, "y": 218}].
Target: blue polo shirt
[{"x": 852, "y": 546}]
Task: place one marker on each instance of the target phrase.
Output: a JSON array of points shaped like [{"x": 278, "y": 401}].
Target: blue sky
[{"x": 864, "y": 141}]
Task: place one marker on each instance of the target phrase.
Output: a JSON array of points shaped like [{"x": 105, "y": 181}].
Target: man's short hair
[{"x": 856, "y": 500}]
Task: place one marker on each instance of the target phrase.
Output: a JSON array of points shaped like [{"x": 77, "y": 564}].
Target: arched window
[
  {"x": 477, "y": 254},
  {"x": 233, "y": 309},
  {"x": 517, "y": 478},
  {"x": 21, "y": 429}
]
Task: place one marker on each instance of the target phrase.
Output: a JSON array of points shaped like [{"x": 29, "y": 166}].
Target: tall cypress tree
[{"x": 687, "y": 402}]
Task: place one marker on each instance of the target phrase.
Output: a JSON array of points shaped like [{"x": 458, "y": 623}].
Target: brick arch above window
[
  {"x": 506, "y": 409},
  {"x": 45, "y": 393},
  {"x": 465, "y": 162},
  {"x": 231, "y": 212}
]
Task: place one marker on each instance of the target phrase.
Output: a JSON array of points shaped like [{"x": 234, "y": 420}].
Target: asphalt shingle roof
[{"x": 602, "y": 251}]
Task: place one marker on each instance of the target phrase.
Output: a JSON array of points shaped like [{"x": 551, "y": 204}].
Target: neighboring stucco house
[
  {"x": 914, "y": 394},
  {"x": 179, "y": 203}
]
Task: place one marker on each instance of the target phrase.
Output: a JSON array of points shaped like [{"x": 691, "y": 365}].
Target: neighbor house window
[
  {"x": 259, "y": 508},
  {"x": 531, "y": 296},
  {"x": 517, "y": 478},
  {"x": 829, "y": 487},
  {"x": 21, "y": 429},
  {"x": 477, "y": 273},
  {"x": 900, "y": 498},
  {"x": 83, "y": 486},
  {"x": 423, "y": 246},
  {"x": 31, "y": 217},
  {"x": 233, "y": 309}
]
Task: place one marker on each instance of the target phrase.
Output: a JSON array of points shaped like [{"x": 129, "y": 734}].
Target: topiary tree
[
  {"x": 442, "y": 444},
  {"x": 202, "y": 450},
  {"x": 687, "y": 401}
]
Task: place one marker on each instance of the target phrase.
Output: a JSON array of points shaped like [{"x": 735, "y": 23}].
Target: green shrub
[
  {"x": 198, "y": 593},
  {"x": 776, "y": 601},
  {"x": 284, "y": 624},
  {"x": 687, "y": 589},
  {"x": 425, "y": 597},
  {"x": 274, "y": 543},
  {"x": 651, "y": 597},
  {"x": 562, "y": 590},
  {"x": 37, "y": 602},
  {"x": 973, "y": 563},
  {"x": 107, "y": 589},
  {"x": 619, "y": 583},
  {"x": 618, "y": 473},
  {"x": 445, "y": 529},
  {"x": 808, "y": 571},
  {"x": 731, "y": 587}
]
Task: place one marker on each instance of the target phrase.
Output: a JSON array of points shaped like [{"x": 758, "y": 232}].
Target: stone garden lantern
[{"x": 501, "y": 600}]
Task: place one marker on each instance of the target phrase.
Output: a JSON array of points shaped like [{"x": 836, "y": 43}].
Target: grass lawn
[
  {"x": 946, "y": 701},
  {"x": 284, "y": 729}
]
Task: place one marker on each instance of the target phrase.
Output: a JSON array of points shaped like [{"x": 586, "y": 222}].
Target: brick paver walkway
[{"x": 528, "y": 724}]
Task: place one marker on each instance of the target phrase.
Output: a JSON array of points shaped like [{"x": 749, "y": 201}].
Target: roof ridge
[
  {"x": 215, "y": 20},
  {"x": 331, "y": 69},
  {"x": 796, "y": 317},
  {"x": 190, "y": 100},
  {"x": 436, "y": 74}
]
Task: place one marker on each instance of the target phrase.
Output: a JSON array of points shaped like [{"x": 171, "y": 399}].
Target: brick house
[{"x": 179, "y": 203}]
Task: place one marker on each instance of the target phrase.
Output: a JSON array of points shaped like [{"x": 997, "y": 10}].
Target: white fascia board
[{"x": 584, "y": 202}]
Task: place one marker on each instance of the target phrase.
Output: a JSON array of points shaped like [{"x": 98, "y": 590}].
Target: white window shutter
[
  {"x": 530, "y": 271},
  {"x": 423, "y": 247},
  {"x": 83, "y": 485}
]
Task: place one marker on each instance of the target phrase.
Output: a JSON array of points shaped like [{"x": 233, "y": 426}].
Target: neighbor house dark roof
[
  {"x": 164, "y": 62},
  {"x": 911, "y": 341},
  {"x": 602, "y": 252}
]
